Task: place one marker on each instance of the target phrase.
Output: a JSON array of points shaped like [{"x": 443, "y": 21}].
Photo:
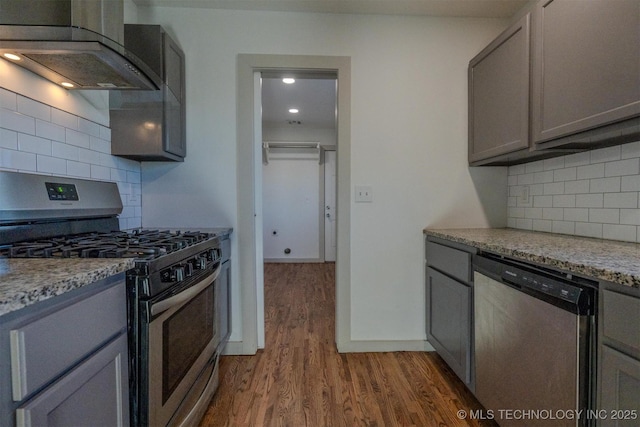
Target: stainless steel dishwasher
[{"x": 534, "y": 343}]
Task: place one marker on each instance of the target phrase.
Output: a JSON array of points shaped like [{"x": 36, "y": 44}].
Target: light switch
[{"x": 363, "y": 194}]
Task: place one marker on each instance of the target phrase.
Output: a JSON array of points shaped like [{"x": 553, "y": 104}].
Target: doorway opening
[{"x": 250, "y": 234}]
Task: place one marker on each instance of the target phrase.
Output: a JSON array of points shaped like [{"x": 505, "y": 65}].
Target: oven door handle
[{"x": 187, "y": 294}]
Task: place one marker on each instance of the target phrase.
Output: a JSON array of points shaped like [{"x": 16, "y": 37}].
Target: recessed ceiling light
[
  {"x": 288, "y": 80},
  {"x": 293, "y": 110},
  {"x": 66, "y": 84},
  {"x": 12, "y": 57}
]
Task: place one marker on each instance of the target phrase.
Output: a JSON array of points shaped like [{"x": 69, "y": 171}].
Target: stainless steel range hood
[{"x": 72, "y": 42}]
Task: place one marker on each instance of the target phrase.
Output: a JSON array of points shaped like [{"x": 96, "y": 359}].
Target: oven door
[{"x": 182, "y": 339}]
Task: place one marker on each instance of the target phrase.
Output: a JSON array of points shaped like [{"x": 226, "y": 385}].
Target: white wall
[
  {"x": 592, "y": 194},
  {"x": 408, "y": 142}
]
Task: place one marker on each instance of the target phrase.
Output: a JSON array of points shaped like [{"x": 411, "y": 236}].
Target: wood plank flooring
[{"x": 300, "y": 380}]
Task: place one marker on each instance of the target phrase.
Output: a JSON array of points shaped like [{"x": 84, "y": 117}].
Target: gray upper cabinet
[
  {"x": 499, "y": 95},
  {"x": 150, "y": 125},
  {"x": 586, "y": 71}
]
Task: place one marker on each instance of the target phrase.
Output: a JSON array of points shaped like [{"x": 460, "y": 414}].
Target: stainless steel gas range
[{"x": 178, "y": 290}]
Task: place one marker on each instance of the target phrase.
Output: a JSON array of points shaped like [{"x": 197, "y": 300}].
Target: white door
[{"x": 330, "y": 206}]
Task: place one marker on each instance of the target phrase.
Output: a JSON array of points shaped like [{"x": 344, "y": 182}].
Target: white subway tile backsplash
[
  {"x": 77, "y": 138},
  {"x": 8, "y": 100},
  {"x": 553, "y": 214},
  {"x": 100, "y": 172},
  {"x": 50, "y": 131},
  {"x": 576, "y": 214},
  {"x": 590, "y": 171},
  {"x": 554, "y": 163},
  {"x": 65, "y": 119},
  {"x": 8, "y": 139},
  {"x": 588, "y": 229},
  {"x": 593, "y": 193},
  {"x": 82, "y": 170},
  {"x": 37, "y": 138},
  {"x": 534, "y": 166},
  {"x": 100, "y": 145},
  {"x": 542, "y": 225},
  {"x": 630, "y": 216},
  {"x": 52, "y": 165},
  {"x": 589, "y": 200},
  {"x": 606, "y": 154},
  {"x": 578, "y": 159},
  {"x": 564, "y": 201},
  {"x": 629, "y": 151},
  {"x": 576, "y": 187},
  {"x": 543, "y": 177},
  {"x": 619, "y": 232},
  {"x": 566, "y": 174},
  {"x": 605, "y": 185},
  {"x": 604, "y": 215},
  {"x": 17, "y": 160},
  {"x": 622, "y": 167},
  {"x": 563, "y": 227},
  {"x": 543, "y": 201},
  {"x": 621, "y": 200},
  {"x": 64, "y": 151},
  {"x": 34, "y": 109},
  {"x": 533, "y": 213},
  {"x": 525, "y": 179},
  {"x": 34, "y": 144},
  {"x": 88, "y": 127},
  {"x": 630, "y": 183},
  {"x": 554, "y": 188},
  {"x": 15, "y": 121}
]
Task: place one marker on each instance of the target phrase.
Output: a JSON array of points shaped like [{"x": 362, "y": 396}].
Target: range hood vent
[{"x": 73, "y": 43}]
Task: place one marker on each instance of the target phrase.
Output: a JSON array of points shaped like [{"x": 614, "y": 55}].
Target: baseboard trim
[
  {"x": 383, "y": 346},
  {"x": 293, "y": 260}
]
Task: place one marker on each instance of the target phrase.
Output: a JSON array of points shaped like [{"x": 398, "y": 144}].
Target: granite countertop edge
[
  {"x": 24, "y": 282},
  {"x": 612, "y": 261}
]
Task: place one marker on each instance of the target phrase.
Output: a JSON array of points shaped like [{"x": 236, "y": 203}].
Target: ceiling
[
  {"x": 460, "y": 8},
  {"x": 314, "y": 98}
]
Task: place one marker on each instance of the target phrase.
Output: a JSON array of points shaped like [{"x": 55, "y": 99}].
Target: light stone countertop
[
  {"x": 26, "y": 281},
  {"x": 617, "y": 262}
]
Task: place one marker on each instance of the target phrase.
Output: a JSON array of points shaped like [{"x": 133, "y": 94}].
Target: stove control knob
[
  {"x": 201, "y": 262},
  {"x": 178, "y": 273},
  {"x": 188, "y": 269}
]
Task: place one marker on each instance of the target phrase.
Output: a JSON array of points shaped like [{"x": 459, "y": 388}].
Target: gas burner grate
[{"x": 139, "y": 244}]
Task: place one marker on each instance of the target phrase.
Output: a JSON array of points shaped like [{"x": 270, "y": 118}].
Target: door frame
[{"x": 247, "y": 65}]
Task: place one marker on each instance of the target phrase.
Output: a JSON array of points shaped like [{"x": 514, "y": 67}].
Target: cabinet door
[
  {"x": 174, "y": 120},
  {"x": 449, "y": 321},
  {"x": 94, "y": 393},
  {"x": 620, "y": 389},
  {"x": 499, "y": 95},
  {"x": 586, "y": 64}
]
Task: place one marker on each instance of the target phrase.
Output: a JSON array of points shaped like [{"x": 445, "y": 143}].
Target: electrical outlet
[
  {"x": 364, "y": 194},
  {"x": 524, "y": 200}
]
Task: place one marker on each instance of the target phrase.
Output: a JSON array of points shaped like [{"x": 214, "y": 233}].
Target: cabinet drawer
[
  {"x": 453, "y": 262},
  {"x": 621, "y": 317},
  {"x": 45, "y": 348}
]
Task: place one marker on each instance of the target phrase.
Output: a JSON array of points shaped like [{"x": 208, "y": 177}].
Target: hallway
[{"x": 300, "y": 379}]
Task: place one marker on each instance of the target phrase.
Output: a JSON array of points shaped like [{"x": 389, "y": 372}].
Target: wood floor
[{"x": 300, "y": 379}]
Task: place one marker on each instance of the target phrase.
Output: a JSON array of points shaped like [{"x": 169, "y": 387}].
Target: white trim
[
  {"x": 383, "y": 346},
  {"x": 247, "y": 65}
]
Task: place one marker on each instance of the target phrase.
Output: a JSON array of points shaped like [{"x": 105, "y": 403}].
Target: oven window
[{"x": 184, "y": 336}]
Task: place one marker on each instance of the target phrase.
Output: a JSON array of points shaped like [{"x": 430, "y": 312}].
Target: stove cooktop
[{"x": 139, "y": 244}]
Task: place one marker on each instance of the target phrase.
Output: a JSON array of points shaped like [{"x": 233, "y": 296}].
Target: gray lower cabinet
[
  {"x": 619, "y": 356},
  {"x": 449, "y": 306},
  {"x": 65, "y": 359},
  {"x": 585, "y": 66},
  {"x": 92, "y": 393}
]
